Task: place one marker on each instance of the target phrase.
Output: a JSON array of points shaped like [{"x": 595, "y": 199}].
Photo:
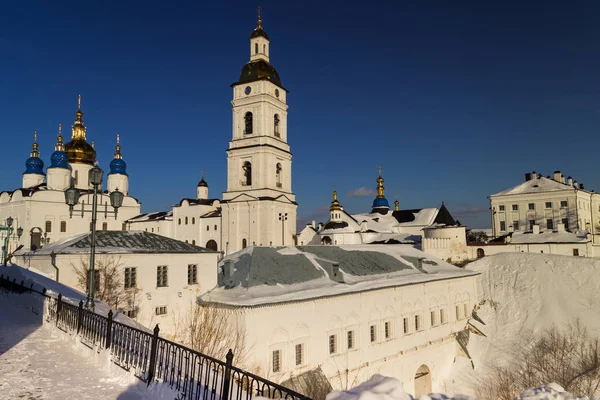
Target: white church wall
[{"x": 310, "y": 324}]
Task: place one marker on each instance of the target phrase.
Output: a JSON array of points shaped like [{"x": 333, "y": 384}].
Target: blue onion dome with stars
[
  {"x": 34, "y": 164},
  {"x": 380, "y": 203},
  {"x": 118, "y": 165},
  {"x": 59, "y": 158}
]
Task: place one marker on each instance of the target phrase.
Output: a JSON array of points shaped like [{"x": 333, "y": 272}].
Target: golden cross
[
  {"x": 380, "y": 169},
  {"x": 79, "y": 102},
  {"x": 59, "y": 129},
  {"x": 34, "y": 136},
  {"x": 259, "y": 21},
  {"x": 118, "y": 138},
  {"x": 202, "y": 173}
]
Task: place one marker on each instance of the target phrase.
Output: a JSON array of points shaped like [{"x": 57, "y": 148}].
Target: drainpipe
[{"x": 53, "y": 261}]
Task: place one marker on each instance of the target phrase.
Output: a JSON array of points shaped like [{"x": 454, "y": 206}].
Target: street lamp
[
  {"x": 282, "y": 218},
  {"x": 9, "y": 231},
  {"x": 72, "y": 196}
]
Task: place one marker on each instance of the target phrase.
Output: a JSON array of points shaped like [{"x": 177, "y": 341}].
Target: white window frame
[
  {"x": 301, "y": 343},
  {"x": 390, "y": 333},
  {"x": 272, "y": 359}
]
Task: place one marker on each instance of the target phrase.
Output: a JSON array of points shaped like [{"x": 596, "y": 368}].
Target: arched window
[
  {"x": 255, "y": 48},
  {"x": 207, "y": 228},
  {"x": 75, "y": 178},
  {"x": 248, "y": 123},
  {"x": 211, "y": 245},
  {"x": 179, "y": 221},
  {"x": 193, "y": 220},
  {"x": 264, "y": 49},
  {"x": 480, "y": 253},
  {"x": 276, "y": 125},
  {"x": 63, "y": 226},
  {"x": 186, "y": 220},
  {"x": 248, "y": 173},
  {"x": 278, "y": 174},
  {"x": 244, "y": 243},
  {"x": 194, "y": 242},
  {"x": 105, "y": 226},
  {"x": 215, "y": 227},
  {"x": 48, "y": 226}
]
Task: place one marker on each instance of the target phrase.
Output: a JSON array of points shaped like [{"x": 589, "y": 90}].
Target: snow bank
[
  {"x": 381, "y": 387},
  {"x": 522, "y": 293}
]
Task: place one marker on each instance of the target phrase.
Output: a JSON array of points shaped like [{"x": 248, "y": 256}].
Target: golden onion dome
[{"x": 78, "y": 150}]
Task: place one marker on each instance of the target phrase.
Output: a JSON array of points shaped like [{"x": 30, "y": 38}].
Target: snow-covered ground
[
  {"x": 39, "y": 361},
  {"x": 525, "y": 293}
]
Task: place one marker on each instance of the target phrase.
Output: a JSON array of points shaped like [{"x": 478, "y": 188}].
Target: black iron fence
[{"x": 154, "y": 359}]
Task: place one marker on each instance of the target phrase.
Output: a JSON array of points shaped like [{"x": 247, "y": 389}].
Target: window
[
  {"x": 332, "y": 344},
  {"x": 299, "y": 354},
  {"x": 458, "y": 316},
  {"x": 278, "y": 175},
  {"x": 516, "y": 225},
  {"x": 564, "y": 204},
  {"x": 96, "y": 280},
  {"x": 255, "y": 48},
  {"x": 373, "y": 332},
  {"x": 276, "y": 125},
  {"x": 105, "y": 226},
  {"x": 531, "y": 206},
  {"x": 76, "y": 178},
  {"x": 418, "y": 326},
  {"x": 130, "y": 277},
  {"x": 207, "y": 228},
  {"x": 565, "y": 222},
  {"x": 162, "y": 310},
  {"x": 466, "y": 310},
  {"x": 576, "y": 252},
  {"x": 161, "y": 276},
  {"x": 502, "y": 225},
  {"x": 131, "y": 313},
  {"x": 549, "y": 223},
  {"x": 192, "y": 274},
  {"x": 350, "y": 336},
  {"x": 186, "y": 220},
  {"x": 405, "y": 325},
  {"x": 179, "y": 221},
  {"x": 276, "y": 359},
  {"x": 216, "y": 227},
  {"x": 244, "y": 243},
  {"x": 247, "y": 173},
  {"x": 194, "y": 242},
  {"x": 124, "y": 226},
  {"x": 531, "y": 224},
  {"x": 548, "y": 204},
  {"x": 193, "y": 220},
  {"x": 48, "y": 226},
  {"x": 211, "y": 245},
  {"x": 515, "y": 207},
  {"x": 433, "y": 319},
  {"x": 442, "y": 316},
  {"x": 387, "y": 328},
  {"x": 152, "y": 229},
  {"x": 501, "y": 208},
  {"x": 248, "y": 123}
]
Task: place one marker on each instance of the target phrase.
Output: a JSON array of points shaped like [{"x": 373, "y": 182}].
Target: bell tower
[{"x": 259, "y": 207}]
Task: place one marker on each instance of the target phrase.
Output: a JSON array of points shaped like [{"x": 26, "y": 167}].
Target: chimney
[
  {"x": 320, "y": 226},
  {"x": 336, "y": 275},
  {"x": 536, "y": 229},
  {"x": 557, "y": 175},
  {"x": 228, "y": 268},
  {"x": 581, "y": 186},
  {"x": 527, "y": 176},
  {"x": 570, "y": 181},
  {"x": 560, "y": 227},
  {"x": 575, "y": 185},
  {"x": 562, "y": 178},
  {"x": 534, "y": 175},
  {"x": 363, "y": 226},
  {"x": 314, "y": 224}
]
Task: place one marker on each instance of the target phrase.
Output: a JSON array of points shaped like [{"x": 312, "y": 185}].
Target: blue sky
[{"x": 455, "y": 100}]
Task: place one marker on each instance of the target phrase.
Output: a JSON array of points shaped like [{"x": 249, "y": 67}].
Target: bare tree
[
  {"x": 212, "y": 331},
  {"x": 109, "y": 282},
  {"x": 569, "y": 357}
]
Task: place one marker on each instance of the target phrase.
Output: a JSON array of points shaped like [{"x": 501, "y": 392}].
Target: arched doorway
[
  {"x": 211, "y": 245},
  {"x": 480, "y": 253},
  {"x": 36, "y": 238},
  {"x": 422, "y": 381},
  {"x": 326, "y": 240}
]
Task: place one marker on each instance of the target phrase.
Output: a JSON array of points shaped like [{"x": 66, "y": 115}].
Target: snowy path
[{"x": 41, "y": 362}]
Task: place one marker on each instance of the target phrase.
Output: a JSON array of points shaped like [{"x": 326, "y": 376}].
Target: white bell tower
[{"x": 259, "y": 207}]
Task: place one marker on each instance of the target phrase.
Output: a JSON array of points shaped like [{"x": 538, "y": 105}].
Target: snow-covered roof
[
  {"x": 539, "y": 185},
  {"x": 118, "y": 242},
  {"x": 267, "y": 275},
  {"x": 549, "y": 237},
  {"x": 153, "y": 216}
]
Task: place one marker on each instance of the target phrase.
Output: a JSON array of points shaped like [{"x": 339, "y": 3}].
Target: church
[
  {"x": 258, "y": 208},
  {"x": 38, "y": 210}
]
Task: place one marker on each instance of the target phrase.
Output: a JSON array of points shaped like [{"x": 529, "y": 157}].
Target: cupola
[
  {"x": 34, "y": 164},
  {"x": 335, "y": 208},
  {"x": 59, "y": 158},
  {"x": 59, "y": 172},
  {"x": 202, "y": 188},
  {"x": 380, "y": 204},
  {"x": 78, "y": 150},
  {"x": 117, "y": 177}
]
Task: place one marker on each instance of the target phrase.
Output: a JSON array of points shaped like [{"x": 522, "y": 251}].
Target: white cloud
[{"x": 361, "y": 191}]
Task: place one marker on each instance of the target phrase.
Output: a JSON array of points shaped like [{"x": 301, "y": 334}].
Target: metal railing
[{"x": 154, "y": 359}]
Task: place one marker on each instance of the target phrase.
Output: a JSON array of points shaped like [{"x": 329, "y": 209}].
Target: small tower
[
  {"x": 396, "y": 204},
  {"x": 81, "y": 154},
  {"x": 34, "y": 167},
  {"x": 259, "y": 42},
  {"x": 117, "y": 177},
  {"x": 380, "y": 204},
  {"x": 59, "y": 171},
  {"x": 335, "y": 209},
  {"x": 202, "y": 188}
]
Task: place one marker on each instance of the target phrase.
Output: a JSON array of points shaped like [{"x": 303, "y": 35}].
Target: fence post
[
  {"x": 153, "y": 351},
  {"x": 58, "y": 307},
  {"x": 79, "y": 316},
  {"x": 109, "y": 329},
  {"x": 227, "y": 377}
]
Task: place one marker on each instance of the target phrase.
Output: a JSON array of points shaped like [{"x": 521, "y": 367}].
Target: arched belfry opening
[
  {"x": 248, "y": 123},
  {"x": 422, "y": 381},
  {"x": 247, "y": 173}
]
